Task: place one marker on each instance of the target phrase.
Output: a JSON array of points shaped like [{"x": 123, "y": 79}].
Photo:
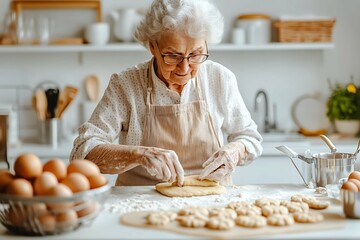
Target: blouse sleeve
[
  {"x": 105, "y": 122},
  {"x": 238, "y": 123}
]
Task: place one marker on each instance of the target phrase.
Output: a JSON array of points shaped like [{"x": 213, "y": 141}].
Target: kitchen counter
[
  {"x": 128, "y": 199},
  {"x": 271, "y": 140}
]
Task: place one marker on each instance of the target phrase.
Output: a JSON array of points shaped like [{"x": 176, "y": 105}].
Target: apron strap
[{"x": 149, "y": 97}]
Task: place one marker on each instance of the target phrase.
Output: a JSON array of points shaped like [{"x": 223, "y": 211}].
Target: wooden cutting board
[{"x": 333, "y": 219}]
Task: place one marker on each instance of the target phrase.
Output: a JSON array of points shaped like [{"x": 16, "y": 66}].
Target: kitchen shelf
[{"x": 126, "y": 47}]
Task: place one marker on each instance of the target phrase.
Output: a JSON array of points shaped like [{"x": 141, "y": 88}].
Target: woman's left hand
[{"x": 223, "y": 162}]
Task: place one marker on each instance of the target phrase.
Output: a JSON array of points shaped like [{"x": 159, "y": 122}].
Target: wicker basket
[
  {"x": 39, "y": 215},
  {"x": 304, "y": 30}
]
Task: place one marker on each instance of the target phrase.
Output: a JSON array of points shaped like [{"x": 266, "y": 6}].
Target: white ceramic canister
[
  {"x": 97, "y": 33},
  {"x": 238, "y": 36},
  {"x": 257, "y": 27}
]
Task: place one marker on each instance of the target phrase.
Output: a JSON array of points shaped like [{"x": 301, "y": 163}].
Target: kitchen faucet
[{"x": 267, "y": 125}]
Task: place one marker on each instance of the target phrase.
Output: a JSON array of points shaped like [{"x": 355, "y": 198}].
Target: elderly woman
[{"x": 173, "y": 113}]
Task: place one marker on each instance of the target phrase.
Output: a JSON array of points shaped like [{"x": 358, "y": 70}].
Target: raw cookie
[
  {"x": 271, "y": 209},
  {"x": 222, "y": 212},
  {"x": 235, "y": 205},
  {"x": 280, "y": 220},
  {"x": 199, "y": 189},
  {"x": 193, "y": 221},
  {"x": 261, "y": 202},
  {"x": 197, "y": 211},
  {"x": 248, "y": 210},
  {"x": 302, "y": 198},
  {"x": 160, "y": 218},
  {"x": 220, "y": 223},
  {"x": 309, "y": 217},
  {"x": 295, "y": 206},
  {"x": 318, "y": 205},
  {"x": 251, "y": 221}
]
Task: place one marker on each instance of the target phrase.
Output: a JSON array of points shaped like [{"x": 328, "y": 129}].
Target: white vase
[{"x": 348, "y": 128}]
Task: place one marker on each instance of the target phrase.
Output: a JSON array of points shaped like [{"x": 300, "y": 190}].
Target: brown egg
[
  {"x": 77, "y": 182},
  {"x": 97, "y": 181},
  {"x": 48, "y": 222},
  {"x": 20, "y": 187},
  {"x": 27, "y": 166},
  {"x": 57, "y": 167},
  {"x": 17, "y": 215},
  {"x": 357, "y": 182},
  {"x": 60, "y": 190},
  {"x": 5, "y": 178},
  {"x": 354, "y": 175},
  {"x": 44, "y": 182},
  {"x": 350, "y": 186},
  {"x": 87, "y": 208},
  {"x": 67, "y": 219},
  {"x": 38, "y": 208},
  {"x": 84, "y": 167}
]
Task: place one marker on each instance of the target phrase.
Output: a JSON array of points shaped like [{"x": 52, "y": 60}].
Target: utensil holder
[{"x": 49, "y": 132}]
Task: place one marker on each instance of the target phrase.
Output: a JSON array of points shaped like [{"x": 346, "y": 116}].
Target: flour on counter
[{"x": 135, "y": 200}]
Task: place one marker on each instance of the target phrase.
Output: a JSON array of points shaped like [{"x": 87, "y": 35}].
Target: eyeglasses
[{"x": 173, "y": 59}]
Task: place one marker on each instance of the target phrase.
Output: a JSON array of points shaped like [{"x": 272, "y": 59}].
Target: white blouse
[{"x": 119, "y": 116}]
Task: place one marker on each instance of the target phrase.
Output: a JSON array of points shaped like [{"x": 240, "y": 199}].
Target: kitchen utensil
[
  {"x": 52, "y": 95},
  {"x": 92, "y": 86},
  {"x": 66, "y": 96},
  {"x": 357, "y": 149},
  {"x": 33, "y": 223},
  {"x": 292, "y": 154},
  {"x": 326, "y": 168},
  {"x": 351, "y": 203},
  {"x": 329, "y": 143},
  {"x": 40, "y": 103}
]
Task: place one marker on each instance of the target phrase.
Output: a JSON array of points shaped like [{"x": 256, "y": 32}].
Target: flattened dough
[{"x": 192, "y": 187}]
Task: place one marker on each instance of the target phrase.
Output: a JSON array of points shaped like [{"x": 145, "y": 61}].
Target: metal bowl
[
  {"x": 40, "y": 215},
  {"x": 351, "y": 203}
]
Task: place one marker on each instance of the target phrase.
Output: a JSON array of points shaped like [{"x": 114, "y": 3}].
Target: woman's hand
[
  {"x": 223, "y": 162},
  {"x": 163, "y": 164}
]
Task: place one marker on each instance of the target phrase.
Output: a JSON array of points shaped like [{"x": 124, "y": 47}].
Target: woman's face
[{"x": 176, "y": 75}]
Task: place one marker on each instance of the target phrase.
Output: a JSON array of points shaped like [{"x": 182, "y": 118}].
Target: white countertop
[{"x": 127, "y": 199}]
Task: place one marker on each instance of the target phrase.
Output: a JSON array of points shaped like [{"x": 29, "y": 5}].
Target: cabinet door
[{"x": 271, "y": 170}]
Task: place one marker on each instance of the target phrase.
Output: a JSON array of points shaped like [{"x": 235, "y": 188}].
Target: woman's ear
[{"x": 152, "y": 47}]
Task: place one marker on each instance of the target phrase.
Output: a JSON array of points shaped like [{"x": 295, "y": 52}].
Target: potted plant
[{"x": 343, "y": 108}]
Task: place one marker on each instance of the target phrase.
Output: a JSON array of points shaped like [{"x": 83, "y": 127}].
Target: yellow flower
[{"x": 351, "y": 88}]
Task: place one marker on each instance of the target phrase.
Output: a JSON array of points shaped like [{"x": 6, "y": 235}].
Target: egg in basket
[{"x": 52, "y": 198}]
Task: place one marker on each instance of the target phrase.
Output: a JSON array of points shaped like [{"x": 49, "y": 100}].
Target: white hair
[{"x": 194, "y": 18}]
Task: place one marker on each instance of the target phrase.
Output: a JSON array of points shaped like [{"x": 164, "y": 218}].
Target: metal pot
[{"x": 327, "y": 168}]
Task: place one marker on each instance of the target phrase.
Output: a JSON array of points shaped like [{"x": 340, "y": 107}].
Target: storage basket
[
  {"x": 304, "y": 30},
  {"x": 40, "y": 215}
]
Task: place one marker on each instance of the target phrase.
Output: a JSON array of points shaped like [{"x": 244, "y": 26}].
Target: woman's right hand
[{"x": 163, "y": 164}]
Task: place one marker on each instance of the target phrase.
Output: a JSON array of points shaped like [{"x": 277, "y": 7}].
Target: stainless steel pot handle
[{"x": 329, "y": 143}]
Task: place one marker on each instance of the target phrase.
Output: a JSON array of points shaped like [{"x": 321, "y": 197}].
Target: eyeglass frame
[{"x": 187, "y": 58}]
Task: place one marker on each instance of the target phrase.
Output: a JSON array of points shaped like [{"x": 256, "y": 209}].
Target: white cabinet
[{"x": 268, "y": 170}]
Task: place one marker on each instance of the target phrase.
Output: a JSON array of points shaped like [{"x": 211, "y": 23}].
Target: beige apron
[{"x": 185, "y": 128}]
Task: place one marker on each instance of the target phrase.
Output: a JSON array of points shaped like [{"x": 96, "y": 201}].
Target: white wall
[{"x": 285, "y": 75}]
